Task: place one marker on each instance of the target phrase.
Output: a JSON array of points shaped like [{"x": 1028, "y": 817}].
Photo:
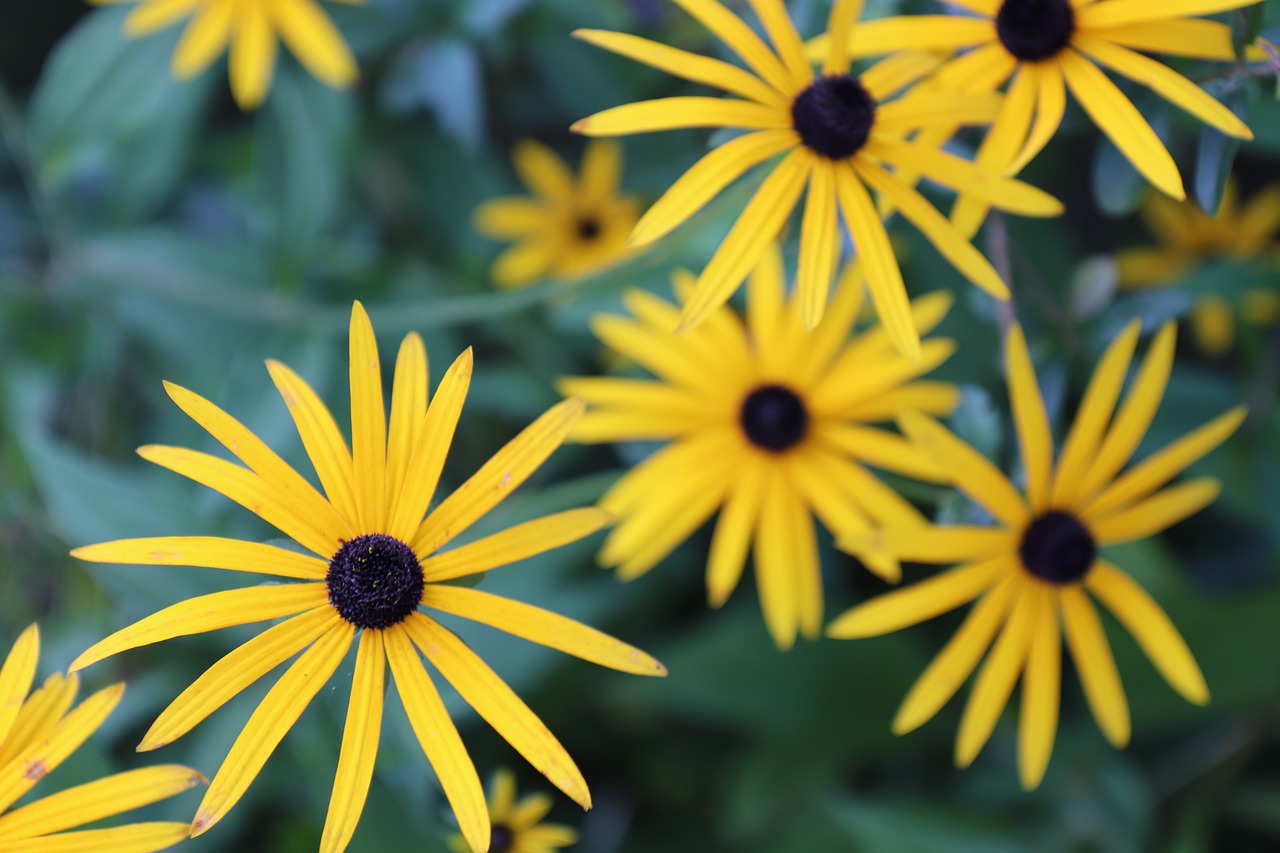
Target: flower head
[
  {"x": 1187, "y": 237},
  {"x": 767, "y": 423},
  {"x": 517, "y": 826},
  {"x": 1046, "y": 47},
  {"x": 1033, "y": 572},
  {"x": 837, "y": 132},
  {"x": 374, "y": 563},
  {"x": 249, "y": 32},
  {"x": 570, "y": 228},
  {"x": 40, "y": 731}
]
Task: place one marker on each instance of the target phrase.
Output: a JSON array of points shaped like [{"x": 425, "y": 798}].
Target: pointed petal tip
[{"x": 580, "y": 126}]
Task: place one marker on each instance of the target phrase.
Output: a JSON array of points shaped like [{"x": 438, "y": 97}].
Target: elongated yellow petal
[
  {"x": 1038, "y": 723},
  {"x": 1191, "y": 37},
  {"x": 1162, "y": 466},
  {"x": 778, "y": 561},
  {"x": 669, "y": 465},
  {"x": 767, "y": 310},
  {"x": 844, "y": 14},
  {"x": 368, "y": 424},
  {"x": 497, "y": 478},
  {"x": 786, "y": 41},
  {"x": 706, "y": 178},
  {"x": 1051, "y": 104},
  {"x": 635, "y": 397},
  {"x": 234, "y": 672},
  {"x": 1092, "y": 655},
  {"x": 931, "y": 398},
  {"x": 360, "y": 736},
  {"x": 838, "y": 504},
  {"x": 502, "y": 794},
  {"x": 203, "y": 39},
  {"x": 732, "y": 537},
  {"x": 741, "y": 249},
  {"x": 271, "y": 720},
  {"x": 207, "y": 552},
  {"x": 1082, "y": 443},
  {"x": 431, "y": 447},
  {"x": 806, "y": 566},
  {"x": 515, "y": 544},
  {"x": 16, "y": 675},
  {"x": 39, "y": 714},
  {"x": 892, "y": 35},
  {"x": 1117, "y": 12},
  {"x": 439, "y": 739},
  {"x": 1152, "y": 629},
  {"x": 934, "y": 543},
  {"x": 1121, "y": 122},
  {"x": 899, "y": 70},
  {"x": 601, "y": 172},
  {"x": 313, "y": 38},
  {"x": 884, "y": 450},
  {"x": 541, "y": 626},
  {"x": 731, "y": 30},
  {"x": 661, "y": 353},
  {"x": 131, "y": 838},
  {"x": 408, "y": 411},
  {"x": 983, "y": 69},
  {"x": 17, "y": 777},
  {"x": 928, "y": 108},
  {"x": 253, "y": 55},
  {"x": 819, "y": 243},
  {"x": 154, "y": 15},
  {"x": 920, "y": 601},
  {"x": 542, "y": 171},
  {"x": 944, "y": 675},
  {"x": 501, "y": 708},
  {"x": 1034, "y": 438},
  {"x": 859, "y": 377},
  {"x": 972, "y": 473},
  {"x": 510, "y": 217},
  {"x": 208, "y": 613},
  {"x": 101, "y": 798},
  {"x": 681, "y": 112},
  {"x": 999, "y": 673},
  {"x": 1158, "y": 512},
  {"x": 321, "y": 437}
]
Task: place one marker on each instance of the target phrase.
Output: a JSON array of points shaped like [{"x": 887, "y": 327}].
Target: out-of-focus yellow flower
[{"x": 517, "y": 827}]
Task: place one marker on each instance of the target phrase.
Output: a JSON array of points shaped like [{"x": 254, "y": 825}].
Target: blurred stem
[
  {"x": 13, "y": 131},
  {"x": 998, "y": 249}
]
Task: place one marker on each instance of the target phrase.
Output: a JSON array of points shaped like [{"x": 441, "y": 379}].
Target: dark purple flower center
[
  {"x": 375, "y": 581},
  {"x": 1057, "y": 548},
  {"x": 834, "y": 116},
  {"x": 774, "y": 418},
  {"x": 588, "y": 229},
  {"x": 1033, "y": 30},
  {"x": 500, "y": 838}
]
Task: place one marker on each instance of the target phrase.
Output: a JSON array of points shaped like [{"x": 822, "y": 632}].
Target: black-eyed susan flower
[
  {"x": 1049, "y": 47},
  {"x": 248, "y": 30},
  {"x": 368, "y": 562},
  {"x": 767, "y": 423},
  {"x": 1037, "y": 572},
  {"x": 41, "y": 730},
  {"x": 569, "y": 228},
  {"x": 837, "y": 133},
  {"x": 517, "y": 826},
  {"x": 1187, "y": 237}
]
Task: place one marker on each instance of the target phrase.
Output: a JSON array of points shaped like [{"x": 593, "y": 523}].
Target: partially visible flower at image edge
[
  {"x": 41, "y": 730},
  {"x": 249, "y": 31},
  {"x": 568, "y": 228},
  {"x": 374, "y": 561},
  {"x": 766, "y": 423},
  {"x": 517, "y": 825},
  {"x": 1034, "y": 571},
  {"x": 1187, "y": 236},
  {"x": 837, "y": 133}
]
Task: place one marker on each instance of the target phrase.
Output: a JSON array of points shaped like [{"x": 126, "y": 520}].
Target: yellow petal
[
  {"x": 510, "y": 217},
  {"x": 1191, "y": 37},
  {"x": 934, "y": 543},
  {"x": 933, "y": 108},
  {"x": 541, "y": 626},
  {"x": 1149, "y": 625},
  {"x": 43, "y": 709},
  {"x": 313, "y": 38},
  {"x": 931, "y": 398},
  {"x": 515, "y": 544},
  {"x": 1213, "y": 324},
  {"x": 1034, "y": 438},
  {"x": 1158, "y": 512},
  {"x": 16, "y": 675},
  {"x": 819, "y": 246},
  {"x": 732, "y": 537},
  {"x": 1095, "y": 664},
  {"x": 999, "y": 673},
  {"x": 1117, "y": 12},
  {"x": 271, "y": 720},
  {"x": 204, "y": 38},
  {"x": 1038, "y": 723},
  {"x": 408, "y": 411},
  {"x": 502, "y": 793},
  {"x": 933, "y": 32},
  {"x": 899, "y": 70},
  {"x": 154, "y": 15},
  {"x": 683, "y": 112},
  {"x": 786, "y": 41},
  {"x": 360, "y": 736},
  {"x": 139, "y": 837},
  {"x": 368, "y": 423},
  {"x": 778, "y": 561},
  {"x": 838, "y": 504},
  {"x": 253, "y": 56},
  {"x": 1051, "y": 104},
  {"x": 731, "y": 30},
  {"x": 883, "y": 450},
  {"x": 844, "y": 14},
  {"x": 208, "y": 552}
]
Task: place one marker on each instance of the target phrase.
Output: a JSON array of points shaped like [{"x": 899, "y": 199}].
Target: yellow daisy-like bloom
[
  {"x": 1188, "y": 236},
  {"x": 373, "y": 562},
  {"x": 1035, "y": 570},
  {"x": 249, "y": 28},
  {"x": 1050, "y": 46},
  {"x": 39, "y": 732},
  {"x": 837, "y": 132},
  {"x": 570, "y": 228},
  {"x": 767, "y": 423},
  {"x": 517, "y": 826}
]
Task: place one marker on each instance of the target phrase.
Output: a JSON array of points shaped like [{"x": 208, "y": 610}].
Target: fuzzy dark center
[
  {"x": 774, "y": 418},
  {"x": 1033, "y": 30},
  {"x": 500, "y": 838},
  {"x": 588, "y": 229},
  {"x": 1057, "y": 548},
  {"x": 834, "y": 116},
  {"x": 375, "y": 581}
]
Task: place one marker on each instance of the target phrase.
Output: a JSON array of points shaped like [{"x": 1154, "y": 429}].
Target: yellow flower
[
  {"x": 250, "y": 28},
  {"x": 1050, "y": 46},
  {"x": 373, "y": 562},
  {"x": 767, "y": 423},
  {"x": 517, "y": 826},
  {"x": 39, "y": 732},
  {"x": 1041, "y": 561},
  {"x": 837, "y": 131},
  {"x": 570, "y": 228},
  {"x": 1188, "y": 236}
]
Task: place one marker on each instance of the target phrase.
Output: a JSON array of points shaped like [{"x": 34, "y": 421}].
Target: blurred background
[{"x": 150, "y": 230}]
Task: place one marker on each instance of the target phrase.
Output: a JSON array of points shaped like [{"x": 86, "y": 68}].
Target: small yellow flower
[
  {"x": 1188, "y": 236},
  {"x": 1049, "y": 47},
  {"x": 570, "y": 228},
  {"x": 517, "y": 826},
  {"x": 39, "y": 732},
  {"x": 1034, "y": 571},
  {"x": 367, "y": 562},
  {"x": 837, "y": 133},
  {"x": 766, "y": 422},
  {"x": 250, "y": 28}
]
